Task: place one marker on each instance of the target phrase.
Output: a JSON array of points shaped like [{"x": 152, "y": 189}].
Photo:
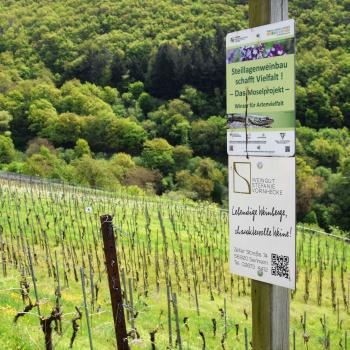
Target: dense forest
[{"x": 132, "y": 93}]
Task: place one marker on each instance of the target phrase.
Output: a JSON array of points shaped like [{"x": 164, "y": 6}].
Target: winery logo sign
[
  {"x": 242, "y": 177},
  {"x": 262, "y": 218}
]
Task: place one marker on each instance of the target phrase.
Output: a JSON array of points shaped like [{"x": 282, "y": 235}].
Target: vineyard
[{"x": 173, "y": 258}]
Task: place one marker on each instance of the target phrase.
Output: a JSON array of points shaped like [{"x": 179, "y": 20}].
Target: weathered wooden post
[
  {"x": 270, "y": 303},
  {"x": 114, "y": 282}
]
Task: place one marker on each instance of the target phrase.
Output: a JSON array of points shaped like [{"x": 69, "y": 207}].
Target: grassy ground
[{"x": 52, "y": 219}]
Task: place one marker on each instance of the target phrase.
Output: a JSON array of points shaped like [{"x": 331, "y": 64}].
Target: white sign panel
[
  {"x": 272, "y": 143},
  {"x": 262, "y": 219},
  {"x": 260, "y": 77}
]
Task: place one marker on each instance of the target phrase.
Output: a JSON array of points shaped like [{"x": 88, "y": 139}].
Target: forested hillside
[{"x": 132, "y": 93}]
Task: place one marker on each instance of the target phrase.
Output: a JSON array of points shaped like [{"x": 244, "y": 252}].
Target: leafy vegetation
[
  {"x": 160, "y": 242},
  {"x": 85, "y": 85}
]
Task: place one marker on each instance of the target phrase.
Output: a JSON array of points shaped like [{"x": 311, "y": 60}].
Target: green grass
[{"x": 58, "y": 213}]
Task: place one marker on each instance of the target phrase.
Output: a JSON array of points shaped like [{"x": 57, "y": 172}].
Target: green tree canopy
[{"x": 158, "y": 154}]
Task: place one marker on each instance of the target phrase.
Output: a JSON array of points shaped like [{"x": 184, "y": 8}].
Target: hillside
[
  {"x": 132, "y": 93},
  {"x": 160, "y": 243}
]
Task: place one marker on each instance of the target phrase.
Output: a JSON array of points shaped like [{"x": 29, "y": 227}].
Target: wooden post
[
  {"x": 114, "y": 282},
  {"x": 270, "y": 304},
  {"x": 267, "y": 11}
]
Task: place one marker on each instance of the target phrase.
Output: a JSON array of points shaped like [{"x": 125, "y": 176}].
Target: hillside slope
[{"x": 123, "y": 93}]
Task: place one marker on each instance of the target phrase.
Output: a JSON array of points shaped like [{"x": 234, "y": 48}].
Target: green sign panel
[{"x": 260, "y": 75}]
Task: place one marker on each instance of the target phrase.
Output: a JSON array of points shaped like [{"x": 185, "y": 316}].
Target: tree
[
  {"x": 123, "y": 159},
  {"x": 182, "y": 155},
  {"x": 143, "y": 178},
  {"x": 136, "y": 89},
  {"x": 35, "y": 145},
  {"x": 40, "y": 111},
  {"x": 165, "y": 72},
  {"x": 203, "y": 187},
  {"x": 195, "y": 186},
  {"x": 7, "y": 150},
  {"x": 124, "y": 135},
  {"x": 81, "y": 148},
  {"x": 146, "y": 102},
  {"x": 326, "y": 152},
  {"x": 5, "y": 120},
  {"x": 202, "y": 104},
  {"x": 308, "y": 188},
  {"x": 337, "y": 196},
  {"x": 158, "y": 154},
  {"x": 55, "y": 50},
  {"x": 121, "y": 163},
  {"x": 208, "y": 137},
  {"x": 18, "y": 101},
  {"x": 94, "y": 64},
  {"x": 95, "y": 173},
  {"x": 137, "y": 58},
  {"x": 172, "y": 121},
  {"x": 46, "y": 164},
  {"x": 63, "y": 130}
]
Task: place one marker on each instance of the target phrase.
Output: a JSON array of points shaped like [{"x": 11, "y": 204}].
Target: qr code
[
  {"x": 287, "y": 149},
  {"x": 231, "y": 148},
  {"x": 280, "y": 265}
]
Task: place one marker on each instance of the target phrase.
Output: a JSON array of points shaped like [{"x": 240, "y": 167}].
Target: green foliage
[
  {"x": 81, "y": 148},
  {"x": 84, "y": 99},
  {"x": 308, "y": 188},
  {"x": 121, "y": 164},
  {"x": 196, "y": 186},
  {"x": 143, "y": 178},
  {"x": 146, "y": 102},
  {"x": 16, "y": 167},
  {"x": 7, "y": 150},
  {"x": 124, "y": 135},
  {"x": 123, "y": 160},
  {"x": 208, "y": 137},
  {"x": 113, "y": 134},
  {"x": 93, "y": 80},
  {"x": 5, "y": 119},
  {"x": 35, "y": 144},
  {"x": 157, "y": 154},
  {"x": 94, "y": 172},
  {"x": 64, "y": 129},
  {"x": 182, "y": 155},
  {"x": 323, "y": 62},
  {"x": 203, "y": 105},
  {"x": 41, "y": 113},
  {"x": 172, "y": 121},
  {"x": 165, "y": 76},
  {"x": 46, "y": 164},
  {"x": 327, "y": 153},
  {"x": 311, "y": 218},
  {"x": 337, "y": 196},
  {"x": 58, "y": 216},
  {"x": 136, "y": 89}
]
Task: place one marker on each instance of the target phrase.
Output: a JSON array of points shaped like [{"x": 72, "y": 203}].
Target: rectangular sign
[
  {"x": 262, "y": 219},
  {"x": 260, "y": 76}
]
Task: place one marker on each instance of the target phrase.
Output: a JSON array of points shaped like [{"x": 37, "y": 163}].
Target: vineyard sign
[
  {"x": 260, "y": 76},
  {"x": 262, "y": 219}
]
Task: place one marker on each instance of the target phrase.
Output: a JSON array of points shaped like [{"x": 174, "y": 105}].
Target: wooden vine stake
[
  {"x": 114, "y": 282},
  {"x": 270, "y": 304}
]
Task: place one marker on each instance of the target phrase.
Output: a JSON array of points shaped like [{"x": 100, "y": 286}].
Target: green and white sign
[{"x": 260, "y": 75}]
